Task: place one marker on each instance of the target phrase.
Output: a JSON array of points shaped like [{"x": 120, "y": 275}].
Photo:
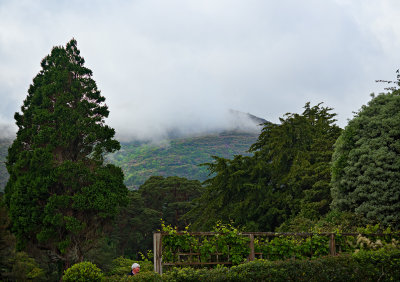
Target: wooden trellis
[{"x": 192, "y": 258}]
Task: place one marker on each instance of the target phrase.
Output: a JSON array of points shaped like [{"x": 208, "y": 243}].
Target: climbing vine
[{"x": 226, "y": 244}]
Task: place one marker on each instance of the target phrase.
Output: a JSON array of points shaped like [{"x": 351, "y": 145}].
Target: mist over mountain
[
  {"x": 183, "y": 126},
  {"x": 181, "y": 151}
]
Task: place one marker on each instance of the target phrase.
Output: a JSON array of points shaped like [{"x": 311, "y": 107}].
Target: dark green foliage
[
  {"x": 178, "y": 157},
  {"x": 171, "y": 196},
  {"x": 288, "y": 176},
  {"x": 133, "y": 229},
  {"x": 236, "y": 193},
  {"x": 26, "y": 268},
  {"x": 84, "y": 272},
  {"x": 366, "y": 163},
  {"x": 380, "y": 265},
  {"x": 143, "y": 276},
  {"x": 158, "y": 198},
  {"x": 364, "y": 266},
  {"x": 298, "y": 152},
  {"x": 194, "y": 275},
  {"x": 148, "y": 276},
  {"x": 60, "y": 194},
  {"x": 122, "y": 266},
  {"x": 7, "y": 243},
  {"x": 335, "y": 221}
]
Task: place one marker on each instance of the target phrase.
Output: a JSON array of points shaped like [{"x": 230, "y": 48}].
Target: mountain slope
[{"x": 178, "y": 157}]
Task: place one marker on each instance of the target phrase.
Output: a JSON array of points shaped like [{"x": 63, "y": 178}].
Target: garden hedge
[{"x": 379, "y": 265}]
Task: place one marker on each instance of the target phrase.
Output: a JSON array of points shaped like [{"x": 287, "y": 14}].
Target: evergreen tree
[
  {"x": 366, "y": 162},
  {"x": 7, "y": 243},
  {"x": 288, "y": 175},
  {"x": 171, "y": 196},
  {"x": 299, "y": 151},
  {"x": 133, "y": 231},
  {"x": 60, "y": 192}
]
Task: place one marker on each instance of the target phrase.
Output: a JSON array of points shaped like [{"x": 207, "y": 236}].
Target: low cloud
[
  {"x": 181, "y": 65},
  {"x": 7, "y": 129},
  {"x": 183, "y": 126}
]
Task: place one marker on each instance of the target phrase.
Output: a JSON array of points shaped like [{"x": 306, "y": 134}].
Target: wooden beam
[{"x": 157, "y": 249}]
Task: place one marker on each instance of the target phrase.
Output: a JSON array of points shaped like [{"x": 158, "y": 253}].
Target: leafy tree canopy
[
  {"x": 366, "y": 162},
  {"x": 133, "y": 231},
  {"x": 171, "y": 196},
  {"x": 60, "y": 193},
  {"x": 287, "y": 176}
]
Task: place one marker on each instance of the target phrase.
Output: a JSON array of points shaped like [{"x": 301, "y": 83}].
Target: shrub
[
  {"x": 121, "y": 266},
  {"x": 83, "y": 272},
  {"x": 382, "y": 265},
  {"x": 147, "y": 276},
  {"x": 192, "y": 275}
]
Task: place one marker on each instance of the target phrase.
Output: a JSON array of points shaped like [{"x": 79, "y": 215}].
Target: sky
[{"x": 183, "y": 64}]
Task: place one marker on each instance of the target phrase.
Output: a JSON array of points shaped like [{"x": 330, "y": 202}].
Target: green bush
[
  {"x": 83, "y": 272},
  {"x": 147, "y": 276},
  {"x": 191, "y": 275},
  {"x": 339, "y": 268},
  {"x": 382, "y": 265},
  {"x": 121, "y": 266}
]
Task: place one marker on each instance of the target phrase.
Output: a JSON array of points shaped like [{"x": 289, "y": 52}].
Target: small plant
[
  {"x": 83, "y": 272},
  {"x": 121, "y": 266}
]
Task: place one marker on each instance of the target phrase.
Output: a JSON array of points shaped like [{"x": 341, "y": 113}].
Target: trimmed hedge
[
  {"x": 363, "y": 266},
  {"x": 381, "y": 265}
]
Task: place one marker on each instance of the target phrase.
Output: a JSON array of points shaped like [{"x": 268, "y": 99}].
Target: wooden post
[
  {"x": 332, "y": 245},
  {"x": 157, "y": 249},
  {"x": 251, "y": 245}
]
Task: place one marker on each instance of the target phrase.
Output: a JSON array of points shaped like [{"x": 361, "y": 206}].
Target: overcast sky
[{"x": 182, "y": 63}]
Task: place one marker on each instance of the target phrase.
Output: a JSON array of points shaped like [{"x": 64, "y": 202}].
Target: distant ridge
[
  {"x": 255, "y": 119},
  {"x": 179, "y": 157},
  {"x": 180, "y": 154}
]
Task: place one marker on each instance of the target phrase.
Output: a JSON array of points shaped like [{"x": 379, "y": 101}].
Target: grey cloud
[{"x": 164, "y": 65}]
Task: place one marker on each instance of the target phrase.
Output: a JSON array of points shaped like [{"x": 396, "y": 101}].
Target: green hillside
[{"x": 178, "y": 157}]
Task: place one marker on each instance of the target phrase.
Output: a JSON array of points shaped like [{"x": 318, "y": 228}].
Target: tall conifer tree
[{"x": 60, "y": 192}]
